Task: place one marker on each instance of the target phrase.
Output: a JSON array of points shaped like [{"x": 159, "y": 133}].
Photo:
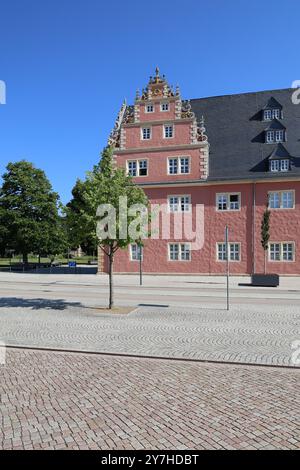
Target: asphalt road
[{"x": 92, "y": 290}]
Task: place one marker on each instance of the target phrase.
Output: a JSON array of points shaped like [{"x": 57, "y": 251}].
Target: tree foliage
[{"x": 29, "y": 212}]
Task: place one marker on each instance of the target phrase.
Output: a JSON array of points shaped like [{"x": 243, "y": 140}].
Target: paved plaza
[
  {"x": 52, "y": 400},
  {"x": 244, "y": 335}
]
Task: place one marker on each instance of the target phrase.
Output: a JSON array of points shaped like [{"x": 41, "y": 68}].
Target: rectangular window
[
  {"x": 179, "y": 203},
  {"x": 168, "y": 132},
  {"x": 282, "y": 251},
  {"x": 132, "y": 168},
  {"x": 284, "y": 165},
  {"x": 173, "y": 166},
  {"x": 174, "y": 251},
  {"x": 149, "y": 108},
  {"x": 281, "y": 200},
  {"x": 143, "y": 168},
  {"x": 275, "y": 165},
  {"x": 146, "y": 133},
  {"x": 184, "y": 165},
  {"x": 276, "y": 114},
  {"x": 234, "y": 251},
  {"x": 228, "y": 201},
  {"x": 179, "y": 252},
  {"x": 164, "y": 107},
  {"x": 270, "y": 138},
  {"x": 267, "y": 115},
  {"x": 179, "y": 165},
  {"x": 137, "y": 167},
  {"x": 135, "y": 252},
  {"x": 279, "y": 136}
]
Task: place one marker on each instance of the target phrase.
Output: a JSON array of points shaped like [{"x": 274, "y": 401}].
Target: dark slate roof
[
  {"x": 280, "y": 152},
  {"x": 236, "y": 133},
  {"x": 272, "y": 104}
]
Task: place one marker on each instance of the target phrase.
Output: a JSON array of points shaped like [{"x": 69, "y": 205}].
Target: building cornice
[
  {"x": 158, "y": 122},
  {"x": 168, "y": 148},
  {"x": 215, "y": 182}
]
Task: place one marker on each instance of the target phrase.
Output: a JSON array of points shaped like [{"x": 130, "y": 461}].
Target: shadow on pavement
[{"x": 37, "y": 304}]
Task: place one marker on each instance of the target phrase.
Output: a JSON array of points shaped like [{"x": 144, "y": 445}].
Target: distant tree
[
  {"x": 265, "y": 234},
  {"x": 76, "y": 220},
  {"x": 105, "y": 185},
  {"x": 29, "y": 210}
]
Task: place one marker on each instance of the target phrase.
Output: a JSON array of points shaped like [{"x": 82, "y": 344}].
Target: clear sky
[{"x": 68, "y": 64}]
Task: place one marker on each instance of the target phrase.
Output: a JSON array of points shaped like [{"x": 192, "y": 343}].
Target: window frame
[
  {"x": 239, "y": 244},
  {"x": 137, "y": 161},
  {"x": 180, "y": 244},
  {"x": 180, "y": 196},
  {"x": 280, "y": 194},
  {"x": 146, "y": 108},
  {"x": 281, "y": 260},
  {"x": 239, "y": 194},
  {"x": 131, "y": 252},
  {"x": 163, "y": 104},
  {"x": 178, "y": 165},
  {"x": 142, "y": 133},
  {"x": 164, "y": 131}
]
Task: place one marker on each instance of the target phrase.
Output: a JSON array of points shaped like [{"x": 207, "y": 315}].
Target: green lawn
[{"x": 34, "y": 259}]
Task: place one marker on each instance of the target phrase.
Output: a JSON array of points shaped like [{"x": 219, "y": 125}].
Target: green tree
[
  {"x": 29, "y": 210},
  {"x": 106, "y": 185},
  {"x": 76, "y": 220},
  {"x": 265, "y": 234}
]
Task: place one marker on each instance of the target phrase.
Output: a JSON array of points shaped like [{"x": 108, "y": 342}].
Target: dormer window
[
  {"x": 272, "y": 110},
  {"x": 279, "y": 165},
  {"x": 275, "y": 136},
  {"x": 149, "y": 108},
  {"x": 270, "y": 114}
]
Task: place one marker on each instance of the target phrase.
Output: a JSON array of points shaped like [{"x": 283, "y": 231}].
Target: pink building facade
[{"x": 229, "y": 155}]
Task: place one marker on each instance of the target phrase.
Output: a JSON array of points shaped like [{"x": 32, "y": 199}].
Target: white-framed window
[
  {"x": 178, "y": 165},
  {"x": 279, "y": 135},
  {"x": 179, "y": 252},
  {"x": 132, "y": 167},
  {"x": 282, "y": 251},
  {"x": 136, "y": 252},
  {"x": 164, "y": 107},
  {"x": 228, "y": 201},
  {"x": 270, "y": 114},
  {"x": 179, "y": 203},
  {"x": 281, "y": 199},
  {"x": 280, "y": 165},
  {"x": 234, "y": 251},
  {"x": 168, "y": 131},
  {"x": 137, "y": 167},
  {"x": 149, "y": 108},
  {"x": 275, "y": 136},
  {"x": 146, "y": 133}
]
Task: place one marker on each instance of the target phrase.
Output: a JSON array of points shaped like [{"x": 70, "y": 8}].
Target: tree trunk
[
  {"x": 39, "y": 259},
  {"x": 111, "y": 286},
  {"x": 265, "y": 262},
  {"x": 25, "y": 259}
]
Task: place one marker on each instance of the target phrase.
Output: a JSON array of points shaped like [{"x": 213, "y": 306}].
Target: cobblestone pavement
[
  {"x": 53, "y": 400},
  {"x": 258, "y": 335}
]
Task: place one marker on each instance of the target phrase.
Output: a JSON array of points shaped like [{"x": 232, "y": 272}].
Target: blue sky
[{"x": 69, "y": 64}]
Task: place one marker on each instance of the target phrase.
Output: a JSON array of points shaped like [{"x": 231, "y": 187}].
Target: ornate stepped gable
[{"x": 157, "y": 88}]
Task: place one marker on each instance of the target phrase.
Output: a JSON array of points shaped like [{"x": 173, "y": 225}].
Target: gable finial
[{"x": 157, "y": 72}]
